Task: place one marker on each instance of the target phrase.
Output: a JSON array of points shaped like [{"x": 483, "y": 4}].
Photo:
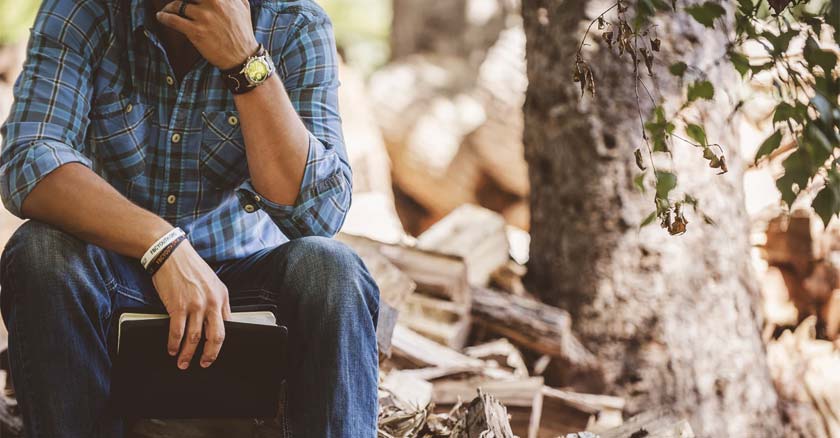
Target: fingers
[
  {"x": 226, "y": 313},
  {"x": 168, "y": 16},
  {"x": 194, "y": 325},
  {"x": 176, "y": 332},
  {"x": 214, "y": 333}
]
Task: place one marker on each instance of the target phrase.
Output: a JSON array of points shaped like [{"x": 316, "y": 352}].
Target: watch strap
[{"x": 236, "y": 79}]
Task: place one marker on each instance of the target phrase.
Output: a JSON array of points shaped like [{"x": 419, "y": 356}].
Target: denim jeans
[{"x": 58, "y": 293}]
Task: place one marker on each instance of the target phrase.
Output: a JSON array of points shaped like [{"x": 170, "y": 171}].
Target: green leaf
[
  {"x": 659, "y": 129},
  {"x": 817, "y": 137},
  {"x": 648, "y": 220},
  {"x": 761, "y": 67},
  {"x": 662, "y": 5},
  {"x": 706, "y": 13},
  {"x": 697, "y": 133},
  {"x": 665, "y": 182},
  {"x": 678, "y": 68},
  {"x": 639, "y": 182},
  {"x": 780, "y": 42},
  {"x": 797, "y": 173},
  {"x": 744, "y": 26},
  {"x": 769, "y": 145},
  {"x": 827, "y": 202},
  {"x": 815, "y": 23},
  {"x": 701, "y": 90},
  {"x": 833, "y": 18},
  {"x": 746, "y": 7},
  {"x": 785, "y": 111},
  {"x": 740, "y": 62},
  {"x": 779, "y": 5},
  {"x": 814, "y": 56}
]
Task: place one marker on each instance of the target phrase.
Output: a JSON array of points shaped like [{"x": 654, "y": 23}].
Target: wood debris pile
[
  {"x": 456, "y": 321},
  {"x": 801, "y": 288}
]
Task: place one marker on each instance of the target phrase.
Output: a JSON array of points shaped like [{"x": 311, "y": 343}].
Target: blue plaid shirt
[{"x": 97, "y": 89}]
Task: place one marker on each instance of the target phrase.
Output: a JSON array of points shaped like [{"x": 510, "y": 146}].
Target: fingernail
[
  {"x": 205, "y": 364},
  {"x": 173, "y": 352},
  {"x": 183, "y": 365}
]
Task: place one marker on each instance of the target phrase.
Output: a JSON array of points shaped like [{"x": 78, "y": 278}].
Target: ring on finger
[{"x": 182, "y": 11}]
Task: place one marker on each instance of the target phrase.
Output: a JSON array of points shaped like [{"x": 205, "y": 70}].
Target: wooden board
[
  {"x": 474, "y": 233},
  {"x": 532, "y": 325}
]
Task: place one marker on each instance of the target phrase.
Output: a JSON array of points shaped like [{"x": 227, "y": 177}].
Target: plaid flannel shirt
[{"x": 97, "y": 89}]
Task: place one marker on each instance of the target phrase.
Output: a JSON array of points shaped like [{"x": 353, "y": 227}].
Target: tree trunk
[{"x": 673, "y": 320}]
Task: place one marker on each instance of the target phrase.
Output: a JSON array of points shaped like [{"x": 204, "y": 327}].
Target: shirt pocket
[
  {"x": 119, "y": 136},
  {"x": 222, "y": 159}
]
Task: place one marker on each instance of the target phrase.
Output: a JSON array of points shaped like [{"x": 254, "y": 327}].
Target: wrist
[
  {"x": 164, "y": 255},
  {"x": 240, "y": 58},
  {"x": 251, "y": 73},
  {"x": 161, "y": 249},
  {"x": 147, "y": 235}
]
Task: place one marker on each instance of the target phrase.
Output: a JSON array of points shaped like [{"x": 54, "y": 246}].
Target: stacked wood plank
[
  {"x": 801, "y": 291},
  {"x": 431, "y": 362},
  {"x": 453, "y": 124},
  {"x": 803, "y": 275}
]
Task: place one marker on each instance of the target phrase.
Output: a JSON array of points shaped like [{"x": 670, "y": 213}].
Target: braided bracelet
[{"x": 164, "y": 254}]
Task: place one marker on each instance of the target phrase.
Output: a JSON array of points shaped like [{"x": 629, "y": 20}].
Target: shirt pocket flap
[
  {"x": 119, "y": 137},
  {"x": 222, "y": 156}
]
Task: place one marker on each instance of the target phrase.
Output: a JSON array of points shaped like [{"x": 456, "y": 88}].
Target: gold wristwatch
[{"x": 250, "y": 74}]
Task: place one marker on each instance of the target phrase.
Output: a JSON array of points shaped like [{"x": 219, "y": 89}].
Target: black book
[{"x": 244, "y": 381}]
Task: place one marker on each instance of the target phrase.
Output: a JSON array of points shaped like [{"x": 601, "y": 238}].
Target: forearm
[
  {"x": 276, "y": 141},
  {"x": 76, "y": 200}
]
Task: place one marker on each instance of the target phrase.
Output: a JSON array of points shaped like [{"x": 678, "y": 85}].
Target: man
[{"x": 136, "y": 119}]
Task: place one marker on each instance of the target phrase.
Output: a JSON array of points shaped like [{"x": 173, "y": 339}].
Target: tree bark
[{"x": 673, "y": 320}]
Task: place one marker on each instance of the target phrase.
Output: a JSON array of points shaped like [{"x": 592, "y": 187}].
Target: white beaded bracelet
[{"x": 160, "y": 244}]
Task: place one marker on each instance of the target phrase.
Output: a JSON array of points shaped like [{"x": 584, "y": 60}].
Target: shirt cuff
[
  {"x": 21, "y": 174},
  {"x": 321, "y": 180}
]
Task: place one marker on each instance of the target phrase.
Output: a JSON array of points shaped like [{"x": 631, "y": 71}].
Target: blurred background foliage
[
  {"x": 16, "y": 19},
  {"x": 361, "y": 30}
]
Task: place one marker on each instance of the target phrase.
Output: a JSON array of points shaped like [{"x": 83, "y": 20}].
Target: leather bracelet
[{"x": 164, "y": 254}]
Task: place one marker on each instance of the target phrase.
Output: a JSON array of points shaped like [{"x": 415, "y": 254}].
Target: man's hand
[
  {"x": 195, "y": 298},
  {"x": 220, "y": 30}
]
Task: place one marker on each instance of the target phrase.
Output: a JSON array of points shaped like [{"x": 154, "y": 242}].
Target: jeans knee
[
  {"x": 39, "y": 248},
  {"x": 331, "y": 276},
  {"x": 41, "y": 259}
]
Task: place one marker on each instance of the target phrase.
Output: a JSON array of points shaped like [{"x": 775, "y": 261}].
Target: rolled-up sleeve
[
  {"x": 49, "y": 117},
  {"x": 309, "y": 65}
]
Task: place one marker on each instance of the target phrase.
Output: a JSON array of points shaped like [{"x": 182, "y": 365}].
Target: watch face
[{"x": 257, "y": 70}]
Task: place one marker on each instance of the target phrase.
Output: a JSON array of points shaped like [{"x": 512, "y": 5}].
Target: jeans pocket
[
  {"x": 119, "y": 135},
  {"x": 222, "y": 157}
]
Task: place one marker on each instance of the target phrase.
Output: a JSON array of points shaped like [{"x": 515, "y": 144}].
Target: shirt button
[
  {"x": 233, "y": 120},
  {"x": 176, "y": 137},
  {"x": 170, "y": 80},
  {"x": 170, "y": 199},
  {"x": 257, "y": 198},
  {"x": 249, "y": 208},
  {"x": 128, "y": 108}
]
